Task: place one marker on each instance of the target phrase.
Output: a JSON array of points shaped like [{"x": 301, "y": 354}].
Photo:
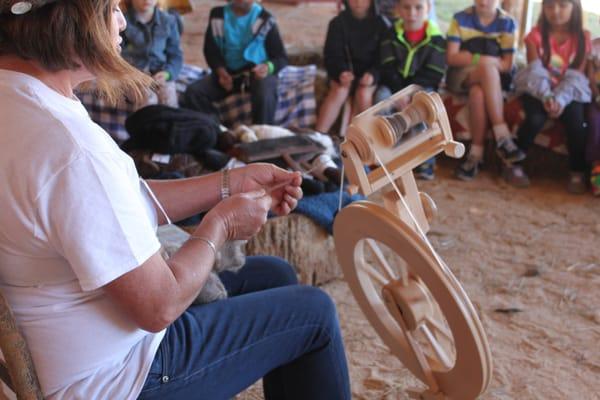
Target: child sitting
[
  {"x": 481, "y": 44},
  {"x": 351, "y": 60},
  {"x": 593, "y": 145},
  {"x": 151, "y": 44},
  {"x": 413, "y": 52},
  {"x": 555, "y": 86},
  {"x": 245, "y": 52}
]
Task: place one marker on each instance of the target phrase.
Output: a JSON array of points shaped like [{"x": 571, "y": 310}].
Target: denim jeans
[
  {"x": 572, "y": 117},
  {"x": 201, "y": 95},
  {"x": 270, "y": 327}
]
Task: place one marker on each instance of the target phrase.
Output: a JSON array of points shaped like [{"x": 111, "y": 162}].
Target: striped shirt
[{"x": 496, "y": 39}]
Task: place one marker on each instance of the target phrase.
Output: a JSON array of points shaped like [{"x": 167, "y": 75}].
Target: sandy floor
[{"x": 534, "y": 250}]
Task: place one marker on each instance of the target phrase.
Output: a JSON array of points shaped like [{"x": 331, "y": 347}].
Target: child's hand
[
  {"x": 367, "y": 79},
  {"x": 556, "y": 110},
  {"x": 490, "y": 60},
  {"x": 161, "y": 77},
  {"x": 260, "y": 71},
  {"x": 553, "y": 108},
  {"x": 346, "y": 78},
  {"x": 225, "y": 80}
]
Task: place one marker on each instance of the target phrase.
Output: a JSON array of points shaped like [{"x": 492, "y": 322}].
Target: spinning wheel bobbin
[{"x": 407, "y": 292}]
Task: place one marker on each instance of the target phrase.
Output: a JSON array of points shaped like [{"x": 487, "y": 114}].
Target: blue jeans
[
  {"x": 201, "y": 96},
  {"x": 270, "y": 327}
]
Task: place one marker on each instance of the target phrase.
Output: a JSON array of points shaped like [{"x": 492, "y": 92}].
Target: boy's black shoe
[
  {"x": 468, "y": 169},
  {"x": 509, "y": 152}
]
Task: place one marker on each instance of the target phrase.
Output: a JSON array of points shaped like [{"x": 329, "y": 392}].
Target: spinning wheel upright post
[{"x": 404, "y": 288}]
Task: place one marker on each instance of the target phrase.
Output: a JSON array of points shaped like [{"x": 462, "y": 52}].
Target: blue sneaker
[{"x": 425, "y": 170}]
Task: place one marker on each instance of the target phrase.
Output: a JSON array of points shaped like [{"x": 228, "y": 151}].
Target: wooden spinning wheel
[{"x": 408, "y": 294}]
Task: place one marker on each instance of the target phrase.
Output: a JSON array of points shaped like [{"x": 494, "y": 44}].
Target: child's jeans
[
  {"x": 201, "y": 95},
  {"x": 573, "y": 119},
  {"x": 270, "y": 327},
  {"x": 592, "y": 153}
]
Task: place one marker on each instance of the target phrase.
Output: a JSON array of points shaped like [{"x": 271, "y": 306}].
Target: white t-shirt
[{"x": 73, "y": 217}]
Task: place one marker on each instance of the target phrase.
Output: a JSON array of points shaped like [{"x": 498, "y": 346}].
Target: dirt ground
[{"x": 533, "y": 250}]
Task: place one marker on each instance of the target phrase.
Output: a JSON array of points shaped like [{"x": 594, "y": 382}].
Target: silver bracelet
[
  {"x": 209, "y": 242},
  {"x": 225, "y": 188}
]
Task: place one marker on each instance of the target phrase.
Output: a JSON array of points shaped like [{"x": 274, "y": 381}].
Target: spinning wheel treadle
[{"x": 407, "y": 292}]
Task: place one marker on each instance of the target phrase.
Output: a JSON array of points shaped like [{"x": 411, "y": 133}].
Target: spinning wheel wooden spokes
[
  {"x": 416, "y": 306},
  {"x": 388, "y": 277}
]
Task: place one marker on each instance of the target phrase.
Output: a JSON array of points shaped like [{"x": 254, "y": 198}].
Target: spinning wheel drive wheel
[{"x": 416, "y": 305}]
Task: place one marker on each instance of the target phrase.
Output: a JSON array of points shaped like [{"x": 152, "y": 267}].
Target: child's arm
[
  {"x": 591, "y": 74},
  {"x": 388, "y": 63},
  {"x": 335, "y": 57},
  {"x": 532, "y": 53},
  {"x": 275, "y": 50},
  {"x": 212, "y": 53},
  {"x": 433, "y": 68},
  {"x": 173, "y": 51},
  {"x": 455, "y": 57}
]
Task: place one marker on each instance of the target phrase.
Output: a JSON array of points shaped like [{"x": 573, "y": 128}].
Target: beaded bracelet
[{"x": 225, "y": 190}]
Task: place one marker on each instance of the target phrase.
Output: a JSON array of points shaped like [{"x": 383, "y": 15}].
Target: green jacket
[{"x": 403, "y": 64}]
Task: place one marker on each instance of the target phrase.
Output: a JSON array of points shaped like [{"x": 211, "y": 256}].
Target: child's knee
[
  {"x": 476, "y": 93},
  {"x": 365, "y": 93},
  {"x": 339, "y": 91}
]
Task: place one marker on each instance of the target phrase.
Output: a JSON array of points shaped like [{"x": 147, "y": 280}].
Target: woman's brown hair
[
  {"x": 575, "y": 27},
  {"x": 67, "y": 34}
]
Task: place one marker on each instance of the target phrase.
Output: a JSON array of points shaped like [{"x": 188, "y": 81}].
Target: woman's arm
[
  {"x": 158, "y": 292},
  {"x": 182, "y": 198}
]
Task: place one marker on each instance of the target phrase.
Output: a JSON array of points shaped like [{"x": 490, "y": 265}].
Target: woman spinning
[{"x": 105, "y": 317}]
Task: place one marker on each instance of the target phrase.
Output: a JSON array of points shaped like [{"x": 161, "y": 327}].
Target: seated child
[
  {"x": 555, "y": 86},
  {"x": 151, "y": 43},
  {"x": 413, "y": 52},
  {"x": 593, "y": 145},
  {"x": 481, "y": 44},
  {"x": 351, "y": 60},
  {"x": 245, "y": 52}
]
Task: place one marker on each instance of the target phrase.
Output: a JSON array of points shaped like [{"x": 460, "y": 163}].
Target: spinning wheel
[{"x": 408, "y": 294}]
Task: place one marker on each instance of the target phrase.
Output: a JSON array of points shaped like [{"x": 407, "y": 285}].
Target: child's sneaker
[
  {"x": 425, "y": 170},
  {"x": 576, "y": 183},
  {"x": 515, "y": 176},
  {"x": 595, "y": 180},
  {"x": 509, "y": 152},
  {"x": 468, "y": 169}
]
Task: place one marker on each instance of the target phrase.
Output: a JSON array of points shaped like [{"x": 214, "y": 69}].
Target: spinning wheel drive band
[{"x": 406, "y": 304}]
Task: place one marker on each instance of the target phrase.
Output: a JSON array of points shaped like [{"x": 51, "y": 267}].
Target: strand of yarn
[{"x": 412, "y": 217}]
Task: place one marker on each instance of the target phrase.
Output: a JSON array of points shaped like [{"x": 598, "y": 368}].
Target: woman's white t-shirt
[{"x": 73, "y": 217}]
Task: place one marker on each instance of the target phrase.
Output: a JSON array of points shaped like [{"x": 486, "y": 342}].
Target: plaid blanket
[
  {"x": 296, "y": 106},
  {"x": 551, "y": 137}
]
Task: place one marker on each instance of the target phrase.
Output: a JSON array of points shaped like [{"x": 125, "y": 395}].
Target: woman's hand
[
  {"x": 282, "y": 186},
  {"x": 240, "y": 216}
]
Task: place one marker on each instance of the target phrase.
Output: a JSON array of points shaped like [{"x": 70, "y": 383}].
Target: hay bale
[{"x": 303, "y": 243}]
